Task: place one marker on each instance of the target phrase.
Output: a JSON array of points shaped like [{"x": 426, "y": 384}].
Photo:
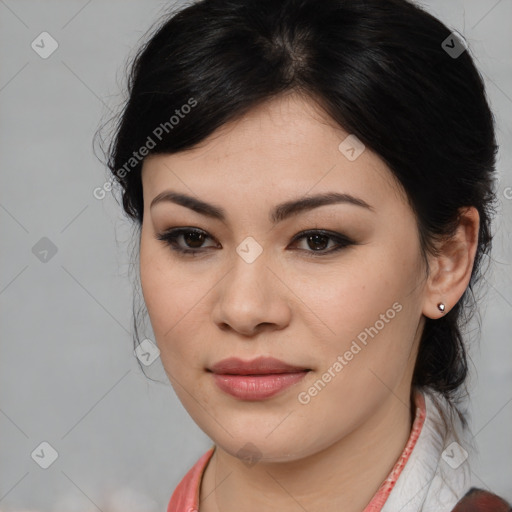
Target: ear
[{"x": 450, "y": 270}]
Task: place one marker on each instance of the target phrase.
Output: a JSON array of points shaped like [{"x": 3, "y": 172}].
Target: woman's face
[{"x": 353, "y": 316}]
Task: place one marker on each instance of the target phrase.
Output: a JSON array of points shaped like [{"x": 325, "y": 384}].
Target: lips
[
  {"x": 259, "y": 379},
  {"x": 259, "y": 366}
]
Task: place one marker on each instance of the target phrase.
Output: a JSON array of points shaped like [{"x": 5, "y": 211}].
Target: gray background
[{"x": 68, "y": 375}]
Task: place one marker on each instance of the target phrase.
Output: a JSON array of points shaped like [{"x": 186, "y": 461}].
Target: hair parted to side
[{"x": 377, "y": 68}]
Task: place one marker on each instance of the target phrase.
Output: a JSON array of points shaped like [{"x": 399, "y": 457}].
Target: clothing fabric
[
  {"x": 478, "y": 500},
  {"x": 431, "y": 475}
]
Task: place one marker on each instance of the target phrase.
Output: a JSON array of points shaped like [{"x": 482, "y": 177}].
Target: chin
[{"x": 256, "y": 446}]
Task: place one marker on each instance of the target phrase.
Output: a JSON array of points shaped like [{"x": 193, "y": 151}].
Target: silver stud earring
[{"x": 440, "y": 306}]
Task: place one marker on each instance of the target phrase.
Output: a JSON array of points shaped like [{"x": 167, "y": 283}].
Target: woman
[{"x": 313, "y": 183}]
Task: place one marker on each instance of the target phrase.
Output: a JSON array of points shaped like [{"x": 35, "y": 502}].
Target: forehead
[{"x": 284, "y": 147}]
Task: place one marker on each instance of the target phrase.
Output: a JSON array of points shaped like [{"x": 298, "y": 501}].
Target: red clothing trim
[
  {"x": 385, "y": 489},
  {"x": 185, "y": 497}
]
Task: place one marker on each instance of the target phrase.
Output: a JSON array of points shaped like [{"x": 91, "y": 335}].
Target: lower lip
[{"x": 256, "y": 387}]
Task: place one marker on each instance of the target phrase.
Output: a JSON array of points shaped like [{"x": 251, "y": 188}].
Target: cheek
[
  {"x": 174, "y": 304},
  {"x": 162, "y": 292},
  {"x": 368, "y": 310},
  {"x": 354, "y": 293}
]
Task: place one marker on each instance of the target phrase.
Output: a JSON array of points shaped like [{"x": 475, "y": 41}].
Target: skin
[{"x": 333, "y": 452}]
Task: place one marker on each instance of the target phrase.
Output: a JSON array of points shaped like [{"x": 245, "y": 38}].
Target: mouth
[
  {"x": 258, "y": 379},
  {"x": 259, "y": 366}
]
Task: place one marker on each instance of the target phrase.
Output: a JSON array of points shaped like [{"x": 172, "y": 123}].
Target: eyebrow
[{"x": 279, "y": 213}]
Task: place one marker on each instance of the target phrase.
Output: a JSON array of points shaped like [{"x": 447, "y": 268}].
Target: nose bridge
[
  {"x": 250, "y": 269},
  {"x": 249, "y": 293}
]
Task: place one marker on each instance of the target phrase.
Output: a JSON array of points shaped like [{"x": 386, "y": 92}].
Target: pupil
[
  {"x": 315, "y": 239},
  {"x": 196, "y": 237}
]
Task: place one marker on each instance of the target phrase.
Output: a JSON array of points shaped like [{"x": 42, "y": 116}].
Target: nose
[{"x": 252, "y": 298}]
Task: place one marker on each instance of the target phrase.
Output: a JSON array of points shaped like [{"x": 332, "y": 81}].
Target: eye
[
  {"x": 192, "y": 236},
  {"x": 318, "y": 240}
]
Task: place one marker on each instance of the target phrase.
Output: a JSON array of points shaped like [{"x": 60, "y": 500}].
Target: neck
[{"x": 344, "y": 475}]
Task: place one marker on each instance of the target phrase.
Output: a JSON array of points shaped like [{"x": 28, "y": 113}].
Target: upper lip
[{"x": 259, "y": 366}]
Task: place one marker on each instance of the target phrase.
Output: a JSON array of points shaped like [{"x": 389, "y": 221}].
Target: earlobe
[{"x": 452, "y": 267}]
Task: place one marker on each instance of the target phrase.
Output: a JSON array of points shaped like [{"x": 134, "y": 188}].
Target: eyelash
[{"x": 170, "y": 236}]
